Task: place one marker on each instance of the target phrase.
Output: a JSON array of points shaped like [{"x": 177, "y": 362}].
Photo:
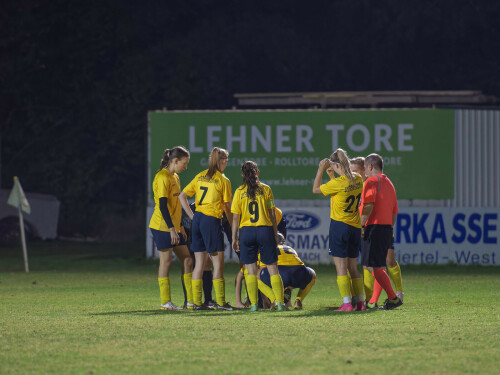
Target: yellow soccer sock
[
  {"x": 350, "y": 284},
  {"x": 266, "y": 290},
  {"x": 197, "y": 285},
  {"x": 188, "y": 285},
  {"x": 304, "y": 292},
  {"x": 395, "y": 274},
  {"x": 368, "y": 280},
  {"x": 345, "y": 288},
  {"x": 357, "y": 285},
  {"x": 277, "y": 284},
  {"x": 220, "y": 291},
  {"x": 164, "y": 283},
  {"x": 253, "y": 291}
]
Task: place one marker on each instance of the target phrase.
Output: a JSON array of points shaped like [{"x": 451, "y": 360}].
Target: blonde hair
[
  {"x": 359, "y": 161},
  {"x": 340, "y": 157},
  {"x": 213, "y": 164}
]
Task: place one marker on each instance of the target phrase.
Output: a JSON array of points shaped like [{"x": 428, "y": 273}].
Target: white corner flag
[{"x": 17, "y": 198}]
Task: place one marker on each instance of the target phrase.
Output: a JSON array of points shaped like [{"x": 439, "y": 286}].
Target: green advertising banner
[{"x": 417, "y": 145}]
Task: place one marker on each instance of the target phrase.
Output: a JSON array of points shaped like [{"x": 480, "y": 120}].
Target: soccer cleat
[
  {"x": 254, "y": 308},
  {"x": 298, "y": 304},
  {"x": 225, "y": 306},
  {"x": 287, "y": 295},
  {"x": 189, "y": 305},
  {"x": 200, "y": 308},
  {"x": 210, "y": 304},
  {"x": 400, "y": 295},
  {"x": 391, "y": 304},
  {"x": 360, "y": 306},
  {"x": 281, "y": 307},
  {"x": 371, "y": 306},
  {"x": 170, "y": 306},
  {"x": 346, "y": 307}
]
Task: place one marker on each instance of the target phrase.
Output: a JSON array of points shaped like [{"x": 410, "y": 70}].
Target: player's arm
[
  {"x": 272, "y": 216},
  {"x": 236, "y": 224},
  {"x": 227, "y": 210},
  {"x": 367, "y": 210},
  {"x": 323, "y": 164},
  {"x": 394, "y": 216},
  {"x": 168, "y": 220},
  {"x": 185, "y": 204}
]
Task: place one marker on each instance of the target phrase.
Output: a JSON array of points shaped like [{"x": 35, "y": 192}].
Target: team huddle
[{"x": 362, "y": 215}]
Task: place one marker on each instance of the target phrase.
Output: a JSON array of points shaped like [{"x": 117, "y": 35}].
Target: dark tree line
[{"x": 77, "y": 78}]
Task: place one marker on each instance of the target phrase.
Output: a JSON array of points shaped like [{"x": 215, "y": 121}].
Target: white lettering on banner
[
  {"x": 236, "y": 140},
  {"x": 350, "y": 135},
  {"x": 211, "y": 137},
  {"x": 241, "y": 139},
  {"x": 382, "y": 135},
  {"x": 265, "y": 141},
  {"x": 402, "y": 137},
  {"x": 281, "y": 138},
  {"x": 192, "y": 141},
  {"x": 335, "y": 134},
  {"x": 382, "y": 138},
  {"x": 304, "y": 139}
]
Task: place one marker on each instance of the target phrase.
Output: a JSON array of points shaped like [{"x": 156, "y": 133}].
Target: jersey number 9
[{"x": 253, "y": 208}]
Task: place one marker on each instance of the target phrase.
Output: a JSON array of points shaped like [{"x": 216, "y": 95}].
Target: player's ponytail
[
  {"x": 214, "y": 162},
  {"x": 249, "y": 171},
  {"x": 170, "y": 154},
  {"x": 340, "y": 157}
]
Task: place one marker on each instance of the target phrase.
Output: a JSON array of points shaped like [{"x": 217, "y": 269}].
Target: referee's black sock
[{"x": 207, "y": 285}]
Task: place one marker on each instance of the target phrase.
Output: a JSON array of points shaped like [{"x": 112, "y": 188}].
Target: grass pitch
[{"x": 94, "y": 309}]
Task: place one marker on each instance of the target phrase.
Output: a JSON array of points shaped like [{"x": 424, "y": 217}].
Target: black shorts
[{"x": 377, "y": 240}]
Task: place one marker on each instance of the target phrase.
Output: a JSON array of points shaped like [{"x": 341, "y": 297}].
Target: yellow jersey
[
  {"x": 286, "y": 257},
  {"x": 253, "y": 213},
  {"x": 345, "y": 198},
  {"x": 210, "y": 195},
  {"x": 166, "y": 185},
  {"x": 279, "y": 215}
]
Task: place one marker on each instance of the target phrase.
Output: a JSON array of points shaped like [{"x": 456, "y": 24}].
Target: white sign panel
[{"x": 422, "y": 235}]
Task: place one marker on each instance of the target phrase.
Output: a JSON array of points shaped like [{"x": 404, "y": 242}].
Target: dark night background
[{"x": 78, "y": 77}]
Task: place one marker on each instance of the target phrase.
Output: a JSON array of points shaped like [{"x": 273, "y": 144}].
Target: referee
[{"x": 380, "y": 208}]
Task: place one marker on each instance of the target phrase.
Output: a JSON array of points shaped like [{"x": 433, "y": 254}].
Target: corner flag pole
[
  {"x": 23, "y": 239},
  {"x": 17, "y": 198}
]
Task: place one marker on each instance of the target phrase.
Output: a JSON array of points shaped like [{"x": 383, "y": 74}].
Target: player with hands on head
[
  {"x": 165, "y": 224},
  {"x": 345, "y": 227},
  {"x": 255, "y": 229},
  {"x": 212, "y": 190}
]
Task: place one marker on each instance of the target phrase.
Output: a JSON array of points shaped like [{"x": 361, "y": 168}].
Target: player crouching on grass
[{"x": 293, "y": 272}]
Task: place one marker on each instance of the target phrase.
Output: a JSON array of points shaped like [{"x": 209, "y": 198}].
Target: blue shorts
[
  {"x": 206, "y": 234},
  {"x": 345, "y": 240},
  {"x": 292, "y": 276},
  {"x": 255, "y": 239},
  {"x": 163, "y": 241}
]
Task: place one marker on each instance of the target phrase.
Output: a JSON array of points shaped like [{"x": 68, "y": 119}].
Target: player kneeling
[{"x": 293, "y": 272}]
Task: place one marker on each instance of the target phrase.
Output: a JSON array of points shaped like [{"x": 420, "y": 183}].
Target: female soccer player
[
  {"x": 345, "y": 225},
  {"x": 165, "y": 224},
  {"x": 255, "y": 217},
  {"x": 212, "y": 190},
  {"x": 372, "y": 287}
]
